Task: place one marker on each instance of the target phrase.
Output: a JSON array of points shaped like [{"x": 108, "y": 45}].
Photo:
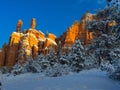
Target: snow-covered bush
[
  {"x": 115, "y": 71},
  {"x": 58, "y": 70},
  {"x": 4, "y": 70},
  {"x": 31, "y": 65},
  {"x": 19, "y": 68},
  {"x": 115, "y": 75}
]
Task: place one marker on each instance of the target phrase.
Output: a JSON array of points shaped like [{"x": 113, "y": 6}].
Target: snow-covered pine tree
[
  {"x": 77, "y": 57},
  {"x": 90, "y": 60},
  {"x": 65, "y": 59},
  {"x": 52, "y": 57},
  {"x": 43, "y": 62},
  {"x": 58, "y": 66},
  {"x": 33, "y": 65}
]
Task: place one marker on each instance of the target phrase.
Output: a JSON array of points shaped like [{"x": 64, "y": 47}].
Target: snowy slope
[{"x": 92, "y": 80}]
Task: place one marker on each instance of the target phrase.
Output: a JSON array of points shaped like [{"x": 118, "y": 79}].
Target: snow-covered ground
[{"x": 86, "y": 80}]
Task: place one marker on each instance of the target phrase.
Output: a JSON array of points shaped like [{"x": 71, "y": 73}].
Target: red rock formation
[
  {"x": 23, "y": 44},
  {"x": 77, "y": 31},
  {"x": 33, "y": 42}
]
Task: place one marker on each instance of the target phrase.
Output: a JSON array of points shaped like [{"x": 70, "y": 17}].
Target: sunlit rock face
[{"x": 77, "y": 31}]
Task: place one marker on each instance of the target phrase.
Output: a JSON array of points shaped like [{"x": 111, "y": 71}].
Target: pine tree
[
  {"x": 57, "y": 66},
  {"x": 33, "y": 65},
  {"x": 43, "y": 62},
  {"x": 90, "y": 60},
  {"x": 77, "y": 57},
  {"x": 52, "y": 57}
]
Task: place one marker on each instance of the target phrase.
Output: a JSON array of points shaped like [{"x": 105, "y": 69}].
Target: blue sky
[{"x": 52, "y": 15}]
